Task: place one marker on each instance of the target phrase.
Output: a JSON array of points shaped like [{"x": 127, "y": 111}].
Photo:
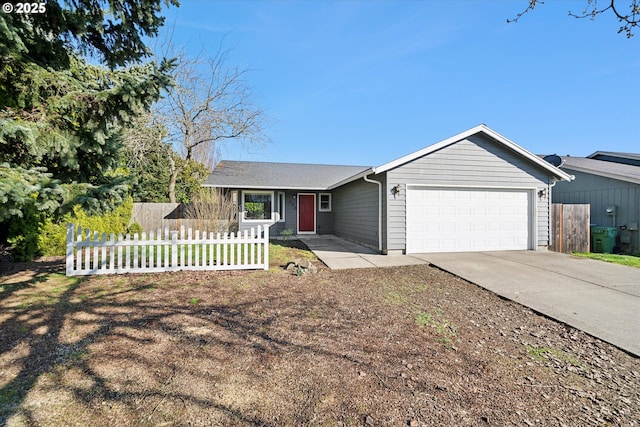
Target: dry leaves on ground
[{"x": 397, "y": 346}]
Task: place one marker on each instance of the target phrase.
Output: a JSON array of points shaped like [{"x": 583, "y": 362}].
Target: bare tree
[
  {"x": 209, "y": 105},
  {"x": 629, "y": 20},
  {"x": 214, "y": 210},
  {"x": 144, "y": 137}
]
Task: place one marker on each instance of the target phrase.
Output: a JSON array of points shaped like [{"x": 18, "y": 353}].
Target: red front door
[{"x": 306, "y": 213}]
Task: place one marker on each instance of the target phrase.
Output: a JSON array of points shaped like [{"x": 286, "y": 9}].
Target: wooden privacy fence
[
  {"x": 152, "y": 216},
  {"x": 91, "y": 253},
  {"x": 571, "y": 228}
]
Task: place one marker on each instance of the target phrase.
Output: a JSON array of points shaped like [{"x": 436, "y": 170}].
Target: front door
[{"x": 306, "y": 213}]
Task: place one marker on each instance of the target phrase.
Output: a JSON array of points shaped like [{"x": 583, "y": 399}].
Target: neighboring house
[
  {"x": 610, "y": 183},
  {"x": 474, "y": 191},
  {"x": 622, "y": 158}
]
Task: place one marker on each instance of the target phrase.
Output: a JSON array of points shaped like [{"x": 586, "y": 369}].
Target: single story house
[
  {"x": 475, "y": 191},
  {"x": 610, "y": 183}
]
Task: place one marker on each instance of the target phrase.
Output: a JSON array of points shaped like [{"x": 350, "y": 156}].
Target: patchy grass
[
  {"x": 546, "y": 353},
  {"x": 443, "y": 327},
  {"x": 245, "y": 348},
  {"x": 630, "y": 260},
  {"x": 283, "y": 251}
]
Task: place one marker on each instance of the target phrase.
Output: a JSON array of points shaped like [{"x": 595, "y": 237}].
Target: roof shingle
[{"x": 271, "y": 175}]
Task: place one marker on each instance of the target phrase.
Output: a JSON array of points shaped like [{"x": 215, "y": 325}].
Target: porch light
[{"x": 395, "y": 190}]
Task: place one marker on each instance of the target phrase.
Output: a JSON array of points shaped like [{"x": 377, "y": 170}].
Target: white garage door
[{"x": 456, "y": 220}]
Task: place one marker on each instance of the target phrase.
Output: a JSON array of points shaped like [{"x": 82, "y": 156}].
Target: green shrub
[
  {"x": 135, "y": 228},
  {"x": 53, "y": 239},
  {"x": 53, "y": 236},
  {"x": 23, "y": 234}
]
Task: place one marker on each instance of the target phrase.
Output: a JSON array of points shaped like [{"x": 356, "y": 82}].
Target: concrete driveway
[{"x": 599, "y": 298}]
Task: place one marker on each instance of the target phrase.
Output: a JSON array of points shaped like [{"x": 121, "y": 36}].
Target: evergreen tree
[{"x": 61, "y": 116}]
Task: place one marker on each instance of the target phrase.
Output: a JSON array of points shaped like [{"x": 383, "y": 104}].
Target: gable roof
[
  {"x": 270, "y": 175},
  {"x": 466, "y": 134},
  {"x": 301, "y": 176},
  {"x": 619, "y": 171}
]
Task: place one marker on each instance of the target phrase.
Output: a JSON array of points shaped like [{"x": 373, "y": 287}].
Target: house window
[
  {"x": 325, "y": 202},
  {"x": 257, "y": 205},
  {"x": 281, "y": 203}
]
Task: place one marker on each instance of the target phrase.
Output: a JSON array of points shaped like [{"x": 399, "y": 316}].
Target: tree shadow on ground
[{"x": 131, "y": 345}]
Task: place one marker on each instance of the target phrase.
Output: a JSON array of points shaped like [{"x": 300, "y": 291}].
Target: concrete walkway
[
  {"x": 340, "y": 254},
  {"x": 599, "y": 298}
]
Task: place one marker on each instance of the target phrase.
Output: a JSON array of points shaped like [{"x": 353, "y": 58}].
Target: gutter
[
  {"x": 379, "y": 210},
  {"x": 352, "y": 178}
]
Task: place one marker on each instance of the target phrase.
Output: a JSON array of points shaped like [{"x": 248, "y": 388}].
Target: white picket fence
[{"x": 91, "y": 253}]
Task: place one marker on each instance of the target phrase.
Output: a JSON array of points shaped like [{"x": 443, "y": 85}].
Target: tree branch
[{"x": 629, "y": 22}]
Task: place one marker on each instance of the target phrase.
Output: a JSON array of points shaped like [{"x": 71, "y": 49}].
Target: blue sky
[{"x": 366, "y": 82}]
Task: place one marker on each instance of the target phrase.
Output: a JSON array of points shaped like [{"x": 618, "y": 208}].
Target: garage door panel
[{"x": 440, "y": 220}]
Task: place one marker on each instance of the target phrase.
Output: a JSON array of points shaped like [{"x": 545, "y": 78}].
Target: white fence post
[
  {"x": 70, "y": 248},
  {"x": 266, "y": 245}
]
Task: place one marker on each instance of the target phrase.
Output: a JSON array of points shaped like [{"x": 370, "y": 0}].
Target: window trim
[
  {"x": 320, "y": 209},
  {"x": 282, "y": 201},
  {"x": 244, "y": 219}
]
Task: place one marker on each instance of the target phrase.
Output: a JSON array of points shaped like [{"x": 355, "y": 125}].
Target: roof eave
[
  {"x": 627, "y": 156},
  {"x": 263, "y": 187},
  {"x": 351, "y": 178},
  {"x": 604, "y": 174}
]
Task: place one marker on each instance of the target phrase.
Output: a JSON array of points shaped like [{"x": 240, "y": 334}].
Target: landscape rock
[{"x": 301, "y": 267}]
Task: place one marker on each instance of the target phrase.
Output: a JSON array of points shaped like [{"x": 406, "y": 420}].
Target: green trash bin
[{"x": 603, "y": 239}]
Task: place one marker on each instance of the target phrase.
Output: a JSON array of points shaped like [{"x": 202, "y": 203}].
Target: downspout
[
  {"x": 550, "y": 237},
  {"x": 379, "y": 210}
]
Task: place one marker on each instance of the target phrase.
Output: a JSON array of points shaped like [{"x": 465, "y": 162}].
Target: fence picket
[
  {"x": 218, "y": 250},
  {"x": 94, "y": 263},
  {"x": 181, "y": 248},
  {"x": 87, "y": 251},
  {"x": 232, "y": 250},
  {"x": 103, "y": 258},
  {"x": 156, "y": 249},
  {"x": 189, "y": 250},
  {"x": 259, "y": 247},
  {"x": 118, "y": 240},
  {"x": 113, "y": 252},
  {"x": 224, "y": 249},
  {"x": 135, "y": 251}
]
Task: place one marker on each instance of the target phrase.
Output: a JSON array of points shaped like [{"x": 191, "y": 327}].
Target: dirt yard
[{"x": 407, "y": 346}]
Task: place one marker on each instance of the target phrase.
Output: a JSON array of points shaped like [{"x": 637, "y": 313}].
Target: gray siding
[
  {"x": 474, "y": 162},
  {"x": 601, "y": 192},
  {"x": 290, "y": 215},
  {"x": 355, "y": 212}
]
